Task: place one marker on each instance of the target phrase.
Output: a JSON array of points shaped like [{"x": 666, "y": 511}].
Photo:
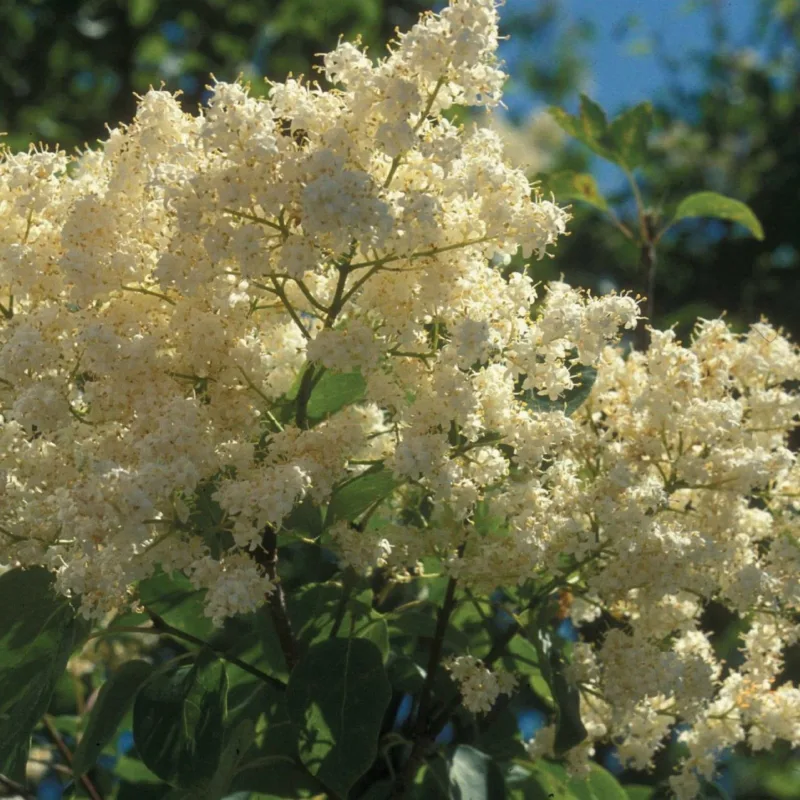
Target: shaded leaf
[
  {"x": 113, "y": 701},
  {"x": 584, "y": 379},
  {"x": 178, "y": 718},
  {"x": 334, "y": 391},
  {"x": 36, "y": 640},
  {"x": 474, "y": 775},
  {"x": 336, "y": 697},
  {"x": 173, "y": 597},
  {"x": 353, "y": 498}
]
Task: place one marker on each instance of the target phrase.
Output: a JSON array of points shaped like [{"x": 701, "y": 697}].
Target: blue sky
[{"x": 622, "y": 71}]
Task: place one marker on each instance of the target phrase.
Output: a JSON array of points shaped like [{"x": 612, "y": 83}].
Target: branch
[
  {"x": 267, "y": 557},
  {"x": 67, "y": 756},
  {"x": 422, "y": 733}
]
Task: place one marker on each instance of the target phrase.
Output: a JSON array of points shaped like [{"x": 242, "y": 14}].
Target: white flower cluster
[
  {"x": 170, "y": 289},
  {"x": 479, "y": 686},
  {"x": 676, "y": 488},
  {"x": 177, "y": 296}
]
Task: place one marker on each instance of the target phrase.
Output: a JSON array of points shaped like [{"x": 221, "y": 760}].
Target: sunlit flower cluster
[{"x": 214, "y": 319}]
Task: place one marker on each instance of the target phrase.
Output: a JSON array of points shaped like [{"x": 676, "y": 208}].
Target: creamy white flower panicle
[
  {"x": 479, "y": 686},
  {"x": 179, "y": 297}
]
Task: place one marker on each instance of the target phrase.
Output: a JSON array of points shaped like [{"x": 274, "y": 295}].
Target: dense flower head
[{"x": 184, "y": 301}]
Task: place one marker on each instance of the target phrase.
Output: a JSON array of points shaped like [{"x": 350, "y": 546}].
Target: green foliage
[
  {"x": 333, "y": 391},
  {"x": 173, "y": 598},
  {"x": 623, "y": 141},
  {"x": 357, "y": 495},
  {"x": 543, "y": 780},
  {"x": 35, "y": 642},
  {"x": 474, "y": 775},
  {"x": 108, "y": 711},
  {"x": 717, "y": 206},
  {"x": 336, "y": 698},
  {"x": 178, "y": 718}
]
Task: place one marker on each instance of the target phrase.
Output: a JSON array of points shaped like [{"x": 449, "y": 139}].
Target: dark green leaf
[
  {"x": 337, "y": 696},
  {"x": 717, "y": 206},
  {"x": 241, "y": 739},
  {"x": 274, "y": 662},
  {"x": 38, "y": 631},
  {"x": 313, "y": 611},
  {"x": 113, "y": 701},
  {"x": 334, "y": 391},
  {"x": 178, "y": 721},
  {"x": 474, "y": 775},
  {"x": 538, "y": 780},
  {"x": 599, "y": 785},
  {"x": 354, "y": 497},
  {"x": 173, "y": 597},
  {"x": 569, "y": 402}
]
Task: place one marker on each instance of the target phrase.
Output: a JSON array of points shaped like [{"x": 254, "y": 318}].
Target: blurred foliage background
[{"x": 69, "y": 66}]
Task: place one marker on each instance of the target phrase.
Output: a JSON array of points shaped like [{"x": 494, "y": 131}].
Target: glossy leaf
[
  {"x": 178, "y": 718},
  {"x": 336, "y": 697},
  {"x": 173, "y": 597},
  {"x": 717, "y": 206},
  {"x": 115, "y": 698},
  {"x": 583, "y": 378},
  {"x": 38, "y": 631},
  {"x": 474, "y": 775},
  {"x": 353, "y": 498}
]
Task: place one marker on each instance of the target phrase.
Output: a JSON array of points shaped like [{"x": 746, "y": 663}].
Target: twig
[
  {"x": 67, "y": 755},
  {"x": 421, "y": 733},
  {"x": 267, "y": 557}
]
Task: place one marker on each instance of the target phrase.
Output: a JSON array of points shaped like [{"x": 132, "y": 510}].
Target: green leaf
[
  {"x": 593, "y": 119},
  {"x": 336, "y": 697},
  {"x": 334, "y": 391},
  {"x": 274, "y": 778},
  {"x": 474, "y": 775},
  {"x": 240, "y": 741},
  {"x": 628, "y": 133},
  {"x": 134, "y": 771},
  {"x": 717, "y": 206},
  {"x": 140, "y": 12},
  {"x": 570, "y": 730},
  {"x": 591, "y": 127},
  {"x": 178, "y": 721},
  {"x": 569, "y": 402},
  {"x": 353, "y": 498},
  {"x": 313, "y": 611},
  {"x": 38, "y": 631},
  {"x": 600, "y": 785},
  {"x": 639, "y": 792},
  {"x": 571, "y": 185},
  {"x": 113, "y": 701},
  {"x": 274, "y": 662},
  {"x": 173, "y": 597},
  {"x": 538, "y": 780}
]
